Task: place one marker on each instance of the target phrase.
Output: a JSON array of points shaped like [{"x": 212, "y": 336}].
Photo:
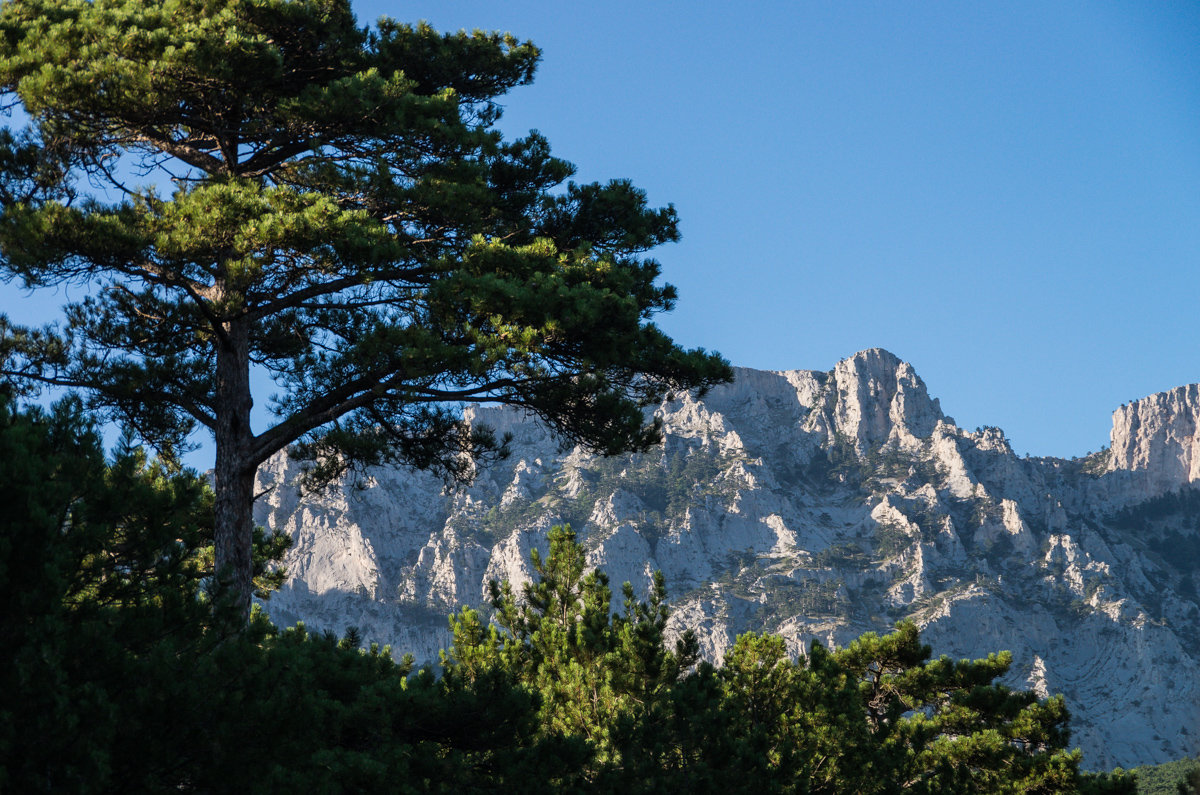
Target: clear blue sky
[{"x": 1004, "y": 194}]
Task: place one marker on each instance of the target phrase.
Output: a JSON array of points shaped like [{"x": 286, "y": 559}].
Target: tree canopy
[{"x": 265, "y": 186}]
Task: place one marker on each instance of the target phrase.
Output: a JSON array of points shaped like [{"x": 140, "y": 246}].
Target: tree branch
[
  {"x": 193, "y": 157},
  {"x": 297, "y": 299},
  {"x": 271, "y": 156},
  {"x": 359, "y": 394}
]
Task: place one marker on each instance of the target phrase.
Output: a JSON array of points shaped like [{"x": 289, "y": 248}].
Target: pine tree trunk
[{"x": 234, "y": 521}]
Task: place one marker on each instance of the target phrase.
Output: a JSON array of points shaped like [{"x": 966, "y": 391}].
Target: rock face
[
  {"x": 1158, "y": 437},
  {"x": 816, "y": 505}
]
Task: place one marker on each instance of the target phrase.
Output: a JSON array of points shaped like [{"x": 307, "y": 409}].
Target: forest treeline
[{"x": 120, "y": 675}]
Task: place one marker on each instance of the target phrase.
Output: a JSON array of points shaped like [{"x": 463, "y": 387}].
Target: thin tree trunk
[{"x": 233, "y": 531}]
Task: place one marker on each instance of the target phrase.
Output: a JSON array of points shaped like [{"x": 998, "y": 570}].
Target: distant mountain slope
[{"x": 816, "y": 505}]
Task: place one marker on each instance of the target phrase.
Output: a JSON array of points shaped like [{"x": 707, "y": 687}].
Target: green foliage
[
  {"x": 878, "y": 716},
  {"x": 1096, "y": 464},
  {"x": 1168, "y": 525},
  {"x": 792, "y": 726},
  {"x": 314, "y": 714},
  {"x": 1173, "y": 506},
  {"x": 891, "y": 540},
  {"x": 944, "y": 726},
  {"x": 118, "y": 677},
  {"x": 592, "y": 671},
  {"x": 1169, "y": 778},
  {"x": 102, "y": 575},
  {"x": 839, "y": 556},
  {"x": 806, "y": 597}
]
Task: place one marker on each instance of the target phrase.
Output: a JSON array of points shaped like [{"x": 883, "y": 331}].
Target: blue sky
[{"x": 1003, "y": 194}]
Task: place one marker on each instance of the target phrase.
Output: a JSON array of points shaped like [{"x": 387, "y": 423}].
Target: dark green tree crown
[{"x": 341, "y": 192}]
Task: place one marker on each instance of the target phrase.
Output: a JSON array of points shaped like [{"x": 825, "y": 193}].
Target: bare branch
[{"x": 188, "y": 154}]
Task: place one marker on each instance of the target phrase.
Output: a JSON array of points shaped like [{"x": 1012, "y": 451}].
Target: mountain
[{"x": 816, "y": 505}]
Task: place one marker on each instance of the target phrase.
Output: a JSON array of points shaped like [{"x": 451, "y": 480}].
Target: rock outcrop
[
  {"x": 817, "y": 505},
  {"x": 1158, "y": 437}
]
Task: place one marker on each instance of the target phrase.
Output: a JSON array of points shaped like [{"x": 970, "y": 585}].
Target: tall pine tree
[{"x": 344, "y": 218}]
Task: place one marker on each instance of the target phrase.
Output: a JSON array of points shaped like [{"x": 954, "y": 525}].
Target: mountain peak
[{"x": 881, "y": 399}]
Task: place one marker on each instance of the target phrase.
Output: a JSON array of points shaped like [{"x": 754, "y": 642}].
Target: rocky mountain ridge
[{"x": 816, "y": 505}]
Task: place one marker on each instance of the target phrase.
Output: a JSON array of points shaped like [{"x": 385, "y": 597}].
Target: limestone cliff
[
  {"x": 1158, "y": 438},
  {"x": 817, "y": 505}
]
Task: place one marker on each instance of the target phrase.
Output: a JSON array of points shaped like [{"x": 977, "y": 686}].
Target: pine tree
[
  {"x": 102, "y": 572},
  {"x": 592, "y": 670},
  {"x": 946, "y": 726},
  {"x": 343, "y": 217}
]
